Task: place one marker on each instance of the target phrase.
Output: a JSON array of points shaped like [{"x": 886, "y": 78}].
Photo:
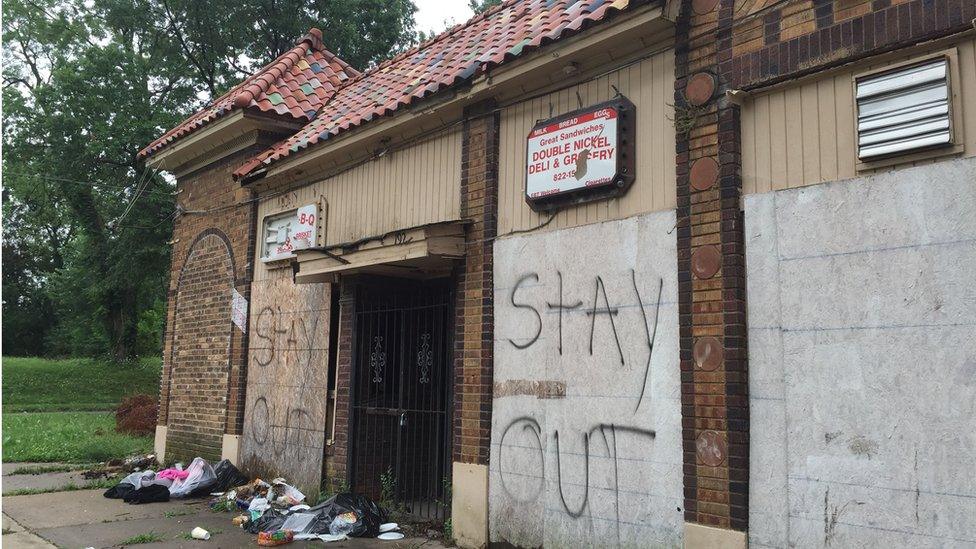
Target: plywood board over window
[
  {"x": 649, "y": 84},
  {"x": 806, "y": 133}
]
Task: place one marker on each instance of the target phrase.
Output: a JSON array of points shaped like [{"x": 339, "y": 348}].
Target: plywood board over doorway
[{"x": 285, "y": 415}]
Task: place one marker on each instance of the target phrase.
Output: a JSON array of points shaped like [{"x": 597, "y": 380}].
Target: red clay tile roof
[
  {"x": 487, "y": 40},
  {"x": 294, "y": 86}
]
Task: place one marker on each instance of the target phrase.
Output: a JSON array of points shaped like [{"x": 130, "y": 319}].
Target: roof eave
[
  {"x": 185, "y": 151},
  {"x": 468, "y": 92}
]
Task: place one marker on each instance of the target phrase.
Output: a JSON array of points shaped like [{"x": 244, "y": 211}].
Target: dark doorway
[{"x": 401, "y": 399}]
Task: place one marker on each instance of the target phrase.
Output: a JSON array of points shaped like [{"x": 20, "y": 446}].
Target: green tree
[
  {"x": 87, "y": 84},
  {"x": 479, "y": 6}
]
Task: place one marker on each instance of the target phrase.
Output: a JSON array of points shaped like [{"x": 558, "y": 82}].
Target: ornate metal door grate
[{"x": 401, "y": 400}]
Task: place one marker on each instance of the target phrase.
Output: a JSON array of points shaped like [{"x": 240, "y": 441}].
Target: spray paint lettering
[{"x": 586, "y": 445}]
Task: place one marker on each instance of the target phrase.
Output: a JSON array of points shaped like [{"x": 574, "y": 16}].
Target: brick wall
[
  {"x": 711, "y": 283},
  {"x": 201, "y": 394},
  {"x": 795, "y": 37},
  {"x": 474, "y": 326},
  {"x": 744, "y": 44}
]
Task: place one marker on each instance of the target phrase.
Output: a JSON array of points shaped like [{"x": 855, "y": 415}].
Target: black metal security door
[{"x": 401, "y": 401}]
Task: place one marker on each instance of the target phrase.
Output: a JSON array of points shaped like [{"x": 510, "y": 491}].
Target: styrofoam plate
[
  {"x": 390, "y": 536},
  {"x": 389, "y": 527}
]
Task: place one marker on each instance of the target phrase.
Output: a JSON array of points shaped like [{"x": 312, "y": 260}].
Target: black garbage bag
[
  {"x": 154, "y": 493},
  {"x": 270, "y": 521},
  {"x": 228, "y": 477},
  {"x": 369, "y": 515},
  {"x": 119, "y": 491}
]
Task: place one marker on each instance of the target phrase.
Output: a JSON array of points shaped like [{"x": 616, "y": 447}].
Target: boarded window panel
[{"x": 904, "y": 110}]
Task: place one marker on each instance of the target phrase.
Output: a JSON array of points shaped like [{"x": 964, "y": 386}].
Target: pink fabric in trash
[{"x": 173, "y": 474}]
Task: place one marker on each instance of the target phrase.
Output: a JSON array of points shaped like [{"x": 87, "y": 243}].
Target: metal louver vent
[{"x": 903, "y": 110}]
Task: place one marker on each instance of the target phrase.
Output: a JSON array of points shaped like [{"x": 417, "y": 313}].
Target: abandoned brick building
[{"x": 636, "y": 273}]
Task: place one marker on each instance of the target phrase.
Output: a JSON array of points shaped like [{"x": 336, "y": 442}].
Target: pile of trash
[
  {"x": 275, "y": 511},
  {"x": 197, "y": 480}
]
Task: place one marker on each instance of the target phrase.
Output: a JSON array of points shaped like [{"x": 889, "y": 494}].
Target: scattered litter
[
  {"x": 259, "y": 505},
  {"x": 278, "y": 537},
  {"x": 298, "y": 522},
  {"x": 136, "y": 463},
  {"x": 173, "y": 474},
  {"x": 274, "y": 511},
  {"x": 198, "y": 474},
  {"x": 343, "y": 524},
  {"x": 289, "y": 494}
]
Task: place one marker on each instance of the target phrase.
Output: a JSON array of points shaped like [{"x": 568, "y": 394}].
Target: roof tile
[
  {"x": 489, "y": 39},
  {"x": 272, "y": 88}
]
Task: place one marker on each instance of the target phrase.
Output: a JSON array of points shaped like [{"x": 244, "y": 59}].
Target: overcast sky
[{"x": 437, "y": 15}]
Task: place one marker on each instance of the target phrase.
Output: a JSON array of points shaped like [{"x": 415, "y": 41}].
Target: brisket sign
[{"x": 581, "y": 156}]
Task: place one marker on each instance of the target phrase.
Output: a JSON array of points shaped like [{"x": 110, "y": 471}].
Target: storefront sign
[
  {"x": 305, "y": 218},
  {"x": 581, "y": 156},
  {"x": 285, "y": 233}
]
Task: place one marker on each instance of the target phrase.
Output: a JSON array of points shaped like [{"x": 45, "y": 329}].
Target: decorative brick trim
[
  {"x": 203, "y": 365},
  {"x": 711, "y": 280},
  {"x": 836, "y": 33},
  {"x": 474, "y": 326}
]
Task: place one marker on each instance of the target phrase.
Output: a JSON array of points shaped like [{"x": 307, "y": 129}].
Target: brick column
[
  {"x": 474, "y": 328},
  {"x": 244, "y": 223},
  {"x": 715, "y": 409},
  {"x": 337, "y": 455}
]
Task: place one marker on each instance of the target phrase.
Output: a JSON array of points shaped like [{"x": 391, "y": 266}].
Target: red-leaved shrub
[{"x": 136, "y": 415}]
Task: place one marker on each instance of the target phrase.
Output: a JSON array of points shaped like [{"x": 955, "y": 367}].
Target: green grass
[
  {"x": 74, "y": 437},
  {"x": 148, "y": 537},
  {"x": 55, "y": 468},
  {"x": 75, "y": 384},
  {"x": 102, "y": 484}
]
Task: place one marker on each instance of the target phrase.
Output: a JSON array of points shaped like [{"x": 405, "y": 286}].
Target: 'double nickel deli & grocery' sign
[{"x": 581, "y": 156}]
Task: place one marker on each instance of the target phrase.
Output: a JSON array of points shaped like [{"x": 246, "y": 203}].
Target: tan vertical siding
[
  {"x": 805, "y": 134},
  {"x": 650, "y": 85},
  {"x": 405, "y": 188}
]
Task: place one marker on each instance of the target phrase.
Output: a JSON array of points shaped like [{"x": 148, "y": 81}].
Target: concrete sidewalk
[
  {"x": 41, "y": 481},
  {"x": 84, "y": 518}
]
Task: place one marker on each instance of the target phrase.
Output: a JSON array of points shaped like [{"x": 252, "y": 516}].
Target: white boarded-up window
[{"x": 903, "y": 110}]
